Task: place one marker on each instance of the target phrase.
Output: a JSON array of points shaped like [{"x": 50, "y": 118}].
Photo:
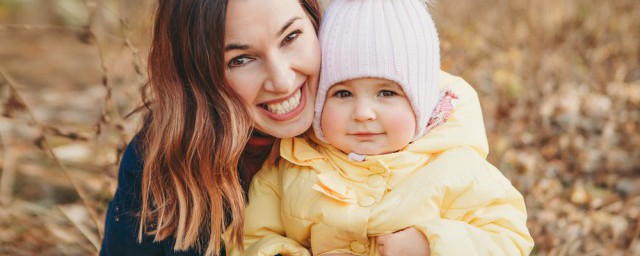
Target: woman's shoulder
[
  {"x": 133, "y": 155},
  {"x": 122, "y": 220},
  {"x": 131, "y": 163}
]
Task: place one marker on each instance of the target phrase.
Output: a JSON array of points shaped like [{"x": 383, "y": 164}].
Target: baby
[{"x": 398, "y": 144}]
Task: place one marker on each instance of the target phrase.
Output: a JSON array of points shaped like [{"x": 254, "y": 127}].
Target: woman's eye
[
  {"x": 386, "y": 93},
  {"x": 291, "y": 37},
  {"x": 342, "y": 94},
  {"x": 239, "y": 61}
]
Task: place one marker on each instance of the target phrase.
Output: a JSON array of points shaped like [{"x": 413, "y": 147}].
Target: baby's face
[{"x": 369, "y": 116}]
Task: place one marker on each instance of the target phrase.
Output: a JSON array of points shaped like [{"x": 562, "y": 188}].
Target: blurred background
[{"x": 559, "y": 83}]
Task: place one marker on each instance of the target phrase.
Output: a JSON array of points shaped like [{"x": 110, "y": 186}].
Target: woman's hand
[{"x": 408, "y": 241}]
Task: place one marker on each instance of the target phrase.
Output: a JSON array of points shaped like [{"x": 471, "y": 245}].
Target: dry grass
[{"x": 559, "y": 83}]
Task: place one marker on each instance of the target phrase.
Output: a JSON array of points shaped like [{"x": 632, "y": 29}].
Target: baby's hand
[
  {"x": 339, "y": 254},
  {"x": 408, "y": 241}
]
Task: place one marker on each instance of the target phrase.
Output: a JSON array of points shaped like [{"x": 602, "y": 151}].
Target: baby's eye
[
  {"x": 342, "y": 94},
  {"x": 387, "y": 93},
  {"x": 239, "y": 61}
]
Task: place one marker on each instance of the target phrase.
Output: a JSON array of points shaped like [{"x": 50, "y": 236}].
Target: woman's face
[{"x": 272, "y": 58}]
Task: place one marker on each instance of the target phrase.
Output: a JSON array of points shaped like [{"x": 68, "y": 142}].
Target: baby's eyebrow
[{"x": 387, "y": 84}]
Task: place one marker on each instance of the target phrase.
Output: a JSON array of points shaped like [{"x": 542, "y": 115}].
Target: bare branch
[
  {"x": 45, "y": 145},
  {"x": 85, "y": 232},
  {"x": 8, "y": 168}
]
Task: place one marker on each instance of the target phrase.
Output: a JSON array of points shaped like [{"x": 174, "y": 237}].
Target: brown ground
[{"x": 559, "y": 83}]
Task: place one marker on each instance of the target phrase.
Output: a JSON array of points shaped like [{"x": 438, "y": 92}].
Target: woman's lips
[{"x": 269, "y": 107}]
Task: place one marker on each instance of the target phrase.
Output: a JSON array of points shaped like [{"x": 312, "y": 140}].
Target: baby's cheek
[
  {"x": 332, "y": 124},
  {"x": 403, "y": 122}
]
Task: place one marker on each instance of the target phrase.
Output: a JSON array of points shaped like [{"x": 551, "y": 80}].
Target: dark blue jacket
[{"x": 121, "y": 227}]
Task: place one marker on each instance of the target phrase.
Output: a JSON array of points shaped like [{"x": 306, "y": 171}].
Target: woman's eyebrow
[
  {"x": 231, "y": 47},
  {"x": 287, "y": 25}
]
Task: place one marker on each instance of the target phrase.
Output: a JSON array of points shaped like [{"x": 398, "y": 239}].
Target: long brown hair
[{"x": 197, "y": 129}]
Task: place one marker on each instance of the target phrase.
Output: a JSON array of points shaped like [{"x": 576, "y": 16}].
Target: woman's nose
[{"x": 280, "y": 77}]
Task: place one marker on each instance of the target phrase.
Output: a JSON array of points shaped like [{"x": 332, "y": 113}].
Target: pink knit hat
[{"x": 391, "y": 39}]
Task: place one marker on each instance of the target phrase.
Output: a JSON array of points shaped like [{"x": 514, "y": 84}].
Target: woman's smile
[{"x": 285, "y": 108}]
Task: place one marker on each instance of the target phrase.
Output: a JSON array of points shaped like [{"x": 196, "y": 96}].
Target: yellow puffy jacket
[{"x": 316, "y": 201}]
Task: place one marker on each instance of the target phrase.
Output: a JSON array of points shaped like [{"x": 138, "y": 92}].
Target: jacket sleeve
[
  {"x": 264, "y": 233},
  {"x": 481, "y": 214},
  {"x": 121, "y": 225}
]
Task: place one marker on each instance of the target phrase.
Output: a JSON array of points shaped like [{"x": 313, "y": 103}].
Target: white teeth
[
  {"x": 292, "y": 101},
  {"x": 285, "y": 106}
]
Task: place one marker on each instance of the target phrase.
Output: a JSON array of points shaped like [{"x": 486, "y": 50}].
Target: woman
[{"x": 218, "y": 69}]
